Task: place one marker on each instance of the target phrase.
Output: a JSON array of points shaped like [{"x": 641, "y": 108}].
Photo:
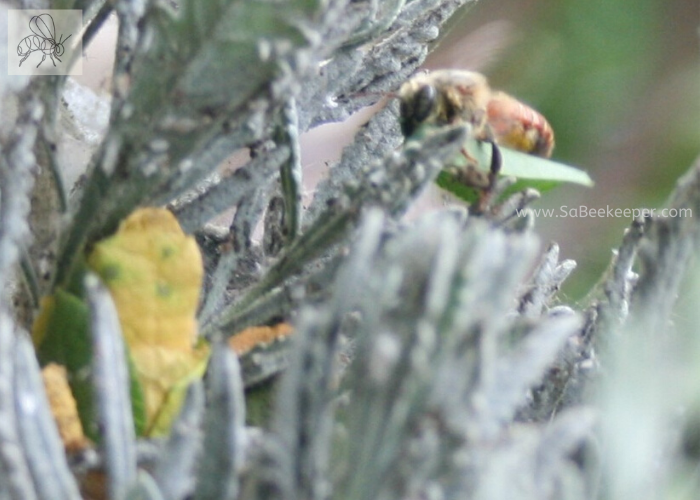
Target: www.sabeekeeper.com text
[{"x": 583, "y": 211}]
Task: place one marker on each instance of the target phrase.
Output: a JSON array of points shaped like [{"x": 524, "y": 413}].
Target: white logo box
[{"x": 44, "y": 42}]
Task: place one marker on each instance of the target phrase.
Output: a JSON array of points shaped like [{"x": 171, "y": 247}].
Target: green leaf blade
[{"x": 530, "y": 171}]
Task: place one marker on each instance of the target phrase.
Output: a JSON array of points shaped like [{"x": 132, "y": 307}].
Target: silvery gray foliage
[
  {"x": 430, "y": 360},
  {"x": 110, "y": 375},
  {"x": 32, "y": 461}
]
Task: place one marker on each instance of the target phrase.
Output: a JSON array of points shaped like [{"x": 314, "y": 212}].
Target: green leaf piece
[
  {"x": 65, "y": 339},
  {"x": 138, "y": 400},
  {"x": 62, "y": 335},
  {"x": 530, "y": 171}
]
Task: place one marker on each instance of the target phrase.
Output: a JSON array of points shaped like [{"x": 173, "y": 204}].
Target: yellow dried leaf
[
  {"x": 63, "y": 407},
  {"x": 164, "y": 375},
  {"x": 154, "y": 273}
]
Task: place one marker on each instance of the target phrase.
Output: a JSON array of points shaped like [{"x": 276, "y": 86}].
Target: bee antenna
[{"x": 371, "y": 94}]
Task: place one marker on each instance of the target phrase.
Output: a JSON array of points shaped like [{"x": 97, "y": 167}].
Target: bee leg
[
  {"x": 470, "y": 158},
  {"x": 496, "y": 164},
  {"x": 486, "y": 193}
]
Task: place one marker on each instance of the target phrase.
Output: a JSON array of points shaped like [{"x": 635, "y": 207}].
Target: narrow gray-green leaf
[
  {"x": 15, "y": 473},
  {"x": 518, "y": 372},
  {"x": 174, "y": 472},
  {"x": 230, "y": 190},
  {"x": 291, "y": 171},
  {"x": 111, "y": 382},
  {"x": 224, "y": 428},
  {"x": 37, "y": 429},
  {"x": 145, "y": 489}
]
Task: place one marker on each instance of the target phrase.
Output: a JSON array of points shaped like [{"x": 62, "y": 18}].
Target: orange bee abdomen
[{"x": 518, "y": 126}]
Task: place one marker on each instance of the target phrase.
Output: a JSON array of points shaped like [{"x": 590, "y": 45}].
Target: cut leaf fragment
[{"x": 531, "y": 171}]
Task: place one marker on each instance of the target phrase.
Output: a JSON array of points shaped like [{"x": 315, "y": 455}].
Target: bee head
[{"x": 417, "y": 106}]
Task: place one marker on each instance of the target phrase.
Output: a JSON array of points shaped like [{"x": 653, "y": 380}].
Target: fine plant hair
[{"x": 431, "y": 358}]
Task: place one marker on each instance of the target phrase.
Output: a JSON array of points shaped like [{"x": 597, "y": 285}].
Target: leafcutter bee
[{"x": 446, "y": 97}]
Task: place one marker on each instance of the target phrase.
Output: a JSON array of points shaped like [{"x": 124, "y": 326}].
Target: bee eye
[
  {"x": 418, "y": 109},
  {"x": 424, "y": 102}
]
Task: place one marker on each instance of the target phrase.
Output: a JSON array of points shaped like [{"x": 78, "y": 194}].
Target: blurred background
[{"x": 619, "y": 82}]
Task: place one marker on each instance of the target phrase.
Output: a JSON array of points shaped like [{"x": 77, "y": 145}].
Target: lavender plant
[{"x": 430, "y": 359}]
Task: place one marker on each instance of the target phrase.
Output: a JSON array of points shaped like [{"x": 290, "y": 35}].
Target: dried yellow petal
[
  {"x": 247, "y": 339},
  {"x": 63, "y": 407}
]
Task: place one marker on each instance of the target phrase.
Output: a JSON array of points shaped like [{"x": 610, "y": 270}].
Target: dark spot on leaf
[
  {"x": 111, "y": 272},
  {"x": 163, "y": 290},
  {"x": 166, "y": 252}
]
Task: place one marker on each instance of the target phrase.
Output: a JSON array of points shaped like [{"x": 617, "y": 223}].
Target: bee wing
[
  {"x": 475, "y": 50},
  {"x": 43, "y": 26}
]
